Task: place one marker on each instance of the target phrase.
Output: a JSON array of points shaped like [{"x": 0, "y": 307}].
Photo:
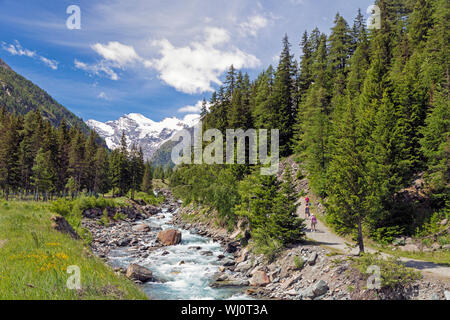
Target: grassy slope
[{"x": 34, "y": 260}]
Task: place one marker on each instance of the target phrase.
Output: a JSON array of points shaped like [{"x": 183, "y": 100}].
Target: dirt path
[{"x": 325, "y": 237}]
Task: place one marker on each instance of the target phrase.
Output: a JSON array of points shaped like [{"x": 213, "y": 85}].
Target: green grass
[
  {"x": 34, "y": 260},
  {"x": 392, "y": 272},
  {"x": 438, "y": 257}
]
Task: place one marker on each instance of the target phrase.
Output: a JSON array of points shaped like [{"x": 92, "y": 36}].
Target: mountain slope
[
  {"x": 21, "y": 96},
  {"x": 148, "y": 134}
]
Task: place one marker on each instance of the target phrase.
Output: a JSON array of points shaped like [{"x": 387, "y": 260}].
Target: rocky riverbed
[{"x": 185, "y": 260}]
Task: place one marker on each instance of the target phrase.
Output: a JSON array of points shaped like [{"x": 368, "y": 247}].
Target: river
[{"x": 183, "y": 271}]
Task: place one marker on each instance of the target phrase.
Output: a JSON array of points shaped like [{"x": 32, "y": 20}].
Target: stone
[
  {"x": 124, "y": 242},
  {"x": 206, "y": 253},
  {"x": 444, "y": 222},
  {"x": 228, "y": 262},
  {"x": 243, "y": 266},
  {"x": 243, "y": 256},
  {"x": 169, "y": 237},
  {"x": 312, "y": 259},
  {"x": 446, "y": 247},
  {"x": 142, "y": 228},
  {"x": 435, "y": 246},
  {"x": 411, "y": 248},
  {"x": 320, "y": 288},
  {"x": 259, "y": 279},
  {"x": 137, "y": 272},
  {"x": 231, "y": 247},
  {"x": 60, "y": 224}
]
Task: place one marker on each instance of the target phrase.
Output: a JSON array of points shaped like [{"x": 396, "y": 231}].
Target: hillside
[{"x": 21, "y": 96}]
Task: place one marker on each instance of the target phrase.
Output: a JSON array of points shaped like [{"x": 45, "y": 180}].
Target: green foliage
[
  {"x": 433, "y": 225},
  {"x": 299, "y": 262},
  {"x": 213, "y": 185},
  {"x": 386, "y": 235},
  {"x": 271, "y": 211},
  {"x": 393, "y": 273}
]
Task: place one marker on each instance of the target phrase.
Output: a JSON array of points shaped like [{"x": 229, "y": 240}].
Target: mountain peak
[{"x": 142, "y": 131}]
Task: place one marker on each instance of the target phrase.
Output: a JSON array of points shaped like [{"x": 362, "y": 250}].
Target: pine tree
[
  {"x": 288, "y": 228},
  {"x": 147, "y": 179},
  {"x": 436, "y": 148},
  {"x": 101, "y": 180},
  {"x": 43, "y": 173},
  {"x": 283, "y": 98}
]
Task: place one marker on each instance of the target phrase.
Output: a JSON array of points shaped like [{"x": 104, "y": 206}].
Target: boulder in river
[
  {"x": 137, "y": 272},
  {"x": 141, "y": 227},
  {"x": 169, "y": 237}
]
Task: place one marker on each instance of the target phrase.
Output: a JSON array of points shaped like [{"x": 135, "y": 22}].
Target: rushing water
[{"x": 181, "y": 272}]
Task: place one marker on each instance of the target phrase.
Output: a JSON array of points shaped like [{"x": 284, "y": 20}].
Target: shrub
[
  {"x": 386, "y": 235},
  {"x": 299, "y": 262},
  {"x": 393, "y": 273}
]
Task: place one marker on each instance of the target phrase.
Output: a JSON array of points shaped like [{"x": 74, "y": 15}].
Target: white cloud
[
  {"x": 97, "y": 69},
  {"x": 103, "y": 96},
  {"x": 117, "y": 52},
  {"x": 16, "y": 49},
  {"x": 253, "y": 25},
  {"x": 192, "y": 69},
  {"x": 51, "y": 63},
  {"x": 194, "y": 109},
  {"x": 115, "y": 55}
]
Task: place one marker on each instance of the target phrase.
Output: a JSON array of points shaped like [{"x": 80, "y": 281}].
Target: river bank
[
  {"x": 210, "y": 262},
  {"x": 182, "y": 270}
]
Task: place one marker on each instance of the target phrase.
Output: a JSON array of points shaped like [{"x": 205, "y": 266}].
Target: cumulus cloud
[
  {"x": 117, "y": 52},
  {"x": 195, "y": 108},
  {"x": 114, "y": 55},
  {"x": 16, "y": 49},
  {"x": 193, "y": 68},
  {"x": 189, "y": 69},
  {"x": 253, "y": 25}
]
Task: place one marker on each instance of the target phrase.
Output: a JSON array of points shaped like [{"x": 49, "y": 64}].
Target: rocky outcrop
[
  {"x": 259, "y": 279},
  {"x": 139, "y": 273},
  {"x": 169, "y": 237},
  {"x": 60, "y": 224}
]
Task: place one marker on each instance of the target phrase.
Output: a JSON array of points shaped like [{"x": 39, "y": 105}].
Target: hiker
[
  {"x": 307, "y": 200},
  {"x": 306, "y": 211},
  {"x": 313, "y": 223}
]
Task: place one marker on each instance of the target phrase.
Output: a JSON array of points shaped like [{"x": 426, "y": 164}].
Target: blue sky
[{"x": 158, "y": 58}]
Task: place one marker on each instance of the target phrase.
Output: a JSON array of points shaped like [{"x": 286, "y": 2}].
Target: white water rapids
[{"x": 174, "y": 279}]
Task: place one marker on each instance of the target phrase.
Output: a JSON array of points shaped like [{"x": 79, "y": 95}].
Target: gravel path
[{"x": 325, "y": 237}]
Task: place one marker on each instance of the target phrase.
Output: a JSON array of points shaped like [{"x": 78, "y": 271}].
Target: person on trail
[
  {"x": 307, "y": 200},
  {"x": 313, "y": 223},
  {"x": 306, "y": 211}
]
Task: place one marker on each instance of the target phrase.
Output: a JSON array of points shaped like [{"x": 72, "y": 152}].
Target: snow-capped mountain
[{"x": 148, "y": 134}]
